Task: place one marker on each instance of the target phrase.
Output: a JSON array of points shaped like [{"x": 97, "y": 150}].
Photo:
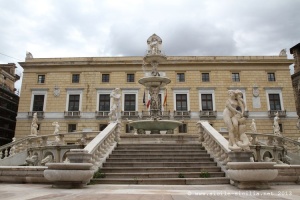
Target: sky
[{"x": 97, "y": 28}]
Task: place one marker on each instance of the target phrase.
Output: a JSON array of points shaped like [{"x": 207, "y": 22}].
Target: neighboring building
[
  {"x": 76, "y": 91},
  {"x": 295, "y": 51},
  {"x": 8, "y": 102}
]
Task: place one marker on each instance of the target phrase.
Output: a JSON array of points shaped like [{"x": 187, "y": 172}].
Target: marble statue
[
  {"x": 154, "y": 69},
  {"x": 56, "y": 127},
  {"x": 283, "y": 52},
  {"x": 154, "y": 45},
  {"x": 114, "y": 113},
  {"x": 253, "y": 126},
  {"x": 235, "y": 121},
  {"x": 34, "y": 125},
  {"x": 28, "y": 55},
  {"x": 47, "y": 159},
  {"x": 32, "y": 160},
  {"x": 276, "y": 127}
]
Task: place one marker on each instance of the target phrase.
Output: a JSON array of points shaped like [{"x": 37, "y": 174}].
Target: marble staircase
[{"x": 161, "y": 163}]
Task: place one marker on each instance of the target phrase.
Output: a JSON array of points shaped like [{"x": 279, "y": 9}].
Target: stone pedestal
[
  {"x": 69, "y": 175},
  {"x": 239, "y": 156},
  {"x": 75, "y": 174},
  {"x": 252, "y": 175}
]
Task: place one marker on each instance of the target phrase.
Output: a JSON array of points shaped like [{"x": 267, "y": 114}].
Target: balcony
[
  {"x": 208, "y": 114},
  {"x": 182, "y": 114},
  {"x": 101, "y": 114},
  {"x": 72, "y": 114},
  {"x": 129, "y": 114},
  {"x": 281, "y": 113},
  {"x": 40, "y": 114}
]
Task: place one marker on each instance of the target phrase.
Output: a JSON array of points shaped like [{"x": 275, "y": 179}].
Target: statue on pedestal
[
  {"x": 236, "y": 122},
  {"x": 34, "y": 125},
  {"x": 114, "y": 113},
  {"x": 276, "y": 127}
]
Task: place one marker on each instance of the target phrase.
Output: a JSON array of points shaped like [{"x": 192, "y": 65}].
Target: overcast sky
[{"x": 90, "y": 28}]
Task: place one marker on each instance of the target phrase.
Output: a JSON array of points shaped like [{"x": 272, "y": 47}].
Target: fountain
[{"x": 154, "y": 83}]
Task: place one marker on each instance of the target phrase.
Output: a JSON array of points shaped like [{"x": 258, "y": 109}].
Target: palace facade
[{"x": 75, "y": 92}]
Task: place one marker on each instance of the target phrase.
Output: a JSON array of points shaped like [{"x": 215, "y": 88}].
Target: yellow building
[{"x": 75, "y": 91}]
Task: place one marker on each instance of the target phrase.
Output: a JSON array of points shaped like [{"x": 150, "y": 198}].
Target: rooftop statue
[{"x": 283, "y": 52}]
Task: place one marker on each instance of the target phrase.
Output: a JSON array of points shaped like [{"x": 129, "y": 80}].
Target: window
[
  {"x": 72, "y": 127},
  {"x": 181, "y": 102},
  {"x": 182, "y": 128},
  {"x": 130, "y": 77},
  {"x": 105, "y": 78},
  {"x": 38, "y": 103},
  {"x": 207, "y": 102},
  {"x": 271, "y": 76},
  {"x": 74, "y": 102},
  {"x": 180, "y": 77},
  {"x": 129, "y": 102},
  {"x": 102, "y": 127},
  {"x": 274, "y": 101},
  {"x": 235, "y": 77},
  {"x": 205, "y": 77},
  {"x": 104, "y": 102},
  {"x": 41, "y": 78},
  {"x": 75, "y": 78}
]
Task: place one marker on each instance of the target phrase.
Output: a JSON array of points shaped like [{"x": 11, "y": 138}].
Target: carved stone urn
[
  {"x": 71, "y": 175},
  {"x": 252, "y": 175}
]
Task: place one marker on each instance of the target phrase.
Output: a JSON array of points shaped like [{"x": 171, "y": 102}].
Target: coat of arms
[
  {"x": 56, "y": 91},
  {"x": 255, "y": 91}
]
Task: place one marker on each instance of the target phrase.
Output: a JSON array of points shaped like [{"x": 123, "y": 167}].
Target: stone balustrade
[
  {"x": 103, "y": 144},
  {"x": 30, "y": 142},
  {"x": 214, "y": 143},
  {"x": 272, "y": 146}
]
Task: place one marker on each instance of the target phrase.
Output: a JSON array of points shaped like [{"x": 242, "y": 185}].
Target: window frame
[
  {"x": 42, "y": 80},
  {"x": 179, "y": 78},
  {"x": 234, "y": 78},
  {"x": 270, "y": 78},
  {"x": 75, "y": 80},
  {"x": 183, "y": 128},
  {"x": 203, "y": 78},
  {"x": 274, "y": 91},
  {"x": 74, "y": 91},
  {"x": 181, "y": 91},
  {"x": 130, "y": 91},
  {"x": 38, "y": 92},
  {"x": 107, "y": 79},
  {"x": 207, "y": 91},
  {"x": 129, "y": 77},
  {"x": 72, "y": 130}
]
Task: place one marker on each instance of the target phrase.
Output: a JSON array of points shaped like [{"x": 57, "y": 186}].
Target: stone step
[
  {"x": 162, "y": 156},
  {"x": 165, "y": 181},
  {"x": 159, "y": 159},
  {"x": 159, "y": 164},
  {"x": 159, "y": 169},
  {"x": 159, "y": 148},
  {"x": 160, "y": 145},
  {"x": 164, "y": 175},
  {"x": 165, "y": 152}
]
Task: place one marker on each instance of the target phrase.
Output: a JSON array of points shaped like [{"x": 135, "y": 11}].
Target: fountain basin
[
  {"x": 162, "y": 125},
  {"x": 154, "y": 81},
  {"x": 155, "y": 57}
]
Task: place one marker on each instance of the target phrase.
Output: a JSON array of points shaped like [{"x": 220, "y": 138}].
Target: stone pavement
[{"x": 145, "y": 192}]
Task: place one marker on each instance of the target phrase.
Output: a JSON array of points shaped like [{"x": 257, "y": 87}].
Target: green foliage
[
  {"x": 99, "y": 174},
  {"x": 204, "y": 174},
  {"x": 180, "y": 175}
]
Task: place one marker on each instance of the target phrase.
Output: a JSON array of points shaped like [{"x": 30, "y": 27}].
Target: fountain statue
[
  {"x": 154, "y": 83},
  {"x": 235, "y": 122}
]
